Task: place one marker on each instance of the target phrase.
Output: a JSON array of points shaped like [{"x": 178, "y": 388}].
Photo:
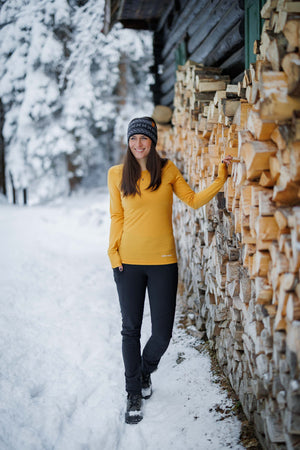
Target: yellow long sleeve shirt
[{"x": 141, "y": 229}]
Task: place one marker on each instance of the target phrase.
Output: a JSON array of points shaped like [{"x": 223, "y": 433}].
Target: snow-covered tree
[{"x": 67, "y": 91}]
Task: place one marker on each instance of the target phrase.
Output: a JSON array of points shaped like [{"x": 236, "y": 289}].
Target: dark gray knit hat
[{"x": 143, "y": 125}]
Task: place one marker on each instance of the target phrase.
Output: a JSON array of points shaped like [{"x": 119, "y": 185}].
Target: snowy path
[{"x": 61, "y": 372}]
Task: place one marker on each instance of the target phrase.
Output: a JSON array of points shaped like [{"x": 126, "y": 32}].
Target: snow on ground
[{"x": 61, "y": 370}]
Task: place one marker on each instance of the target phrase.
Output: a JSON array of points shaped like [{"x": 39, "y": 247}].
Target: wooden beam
[
  {"x": 219, "y": 44},
  {"x": 213, "y": 16},
  {"x": 176, "y": 34}
]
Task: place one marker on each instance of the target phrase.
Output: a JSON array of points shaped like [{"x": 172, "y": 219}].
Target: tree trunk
[
  {"x": 2, "y": 152},
  {"x": 25, "y": 196},
  {"x": 13, "y": 189}
]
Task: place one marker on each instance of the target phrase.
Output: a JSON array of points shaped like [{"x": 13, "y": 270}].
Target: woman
[{"x": 142, "y": 251}]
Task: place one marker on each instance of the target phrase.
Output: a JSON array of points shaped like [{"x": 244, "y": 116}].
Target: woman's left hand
[{"x": 227, "y": 160}]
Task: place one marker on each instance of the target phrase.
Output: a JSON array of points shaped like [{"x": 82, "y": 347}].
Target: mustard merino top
[{"x": 141, "y": 229}]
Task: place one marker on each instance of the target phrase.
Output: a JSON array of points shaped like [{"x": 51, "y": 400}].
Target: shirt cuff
[
  {"x": 115, "y": 260},
  {"x": 222, "y": 171}
]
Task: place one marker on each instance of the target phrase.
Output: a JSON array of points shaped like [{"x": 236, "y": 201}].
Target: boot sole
[
  {"x": 132, "y": 420},
  {"x": 148, "y": 395}
]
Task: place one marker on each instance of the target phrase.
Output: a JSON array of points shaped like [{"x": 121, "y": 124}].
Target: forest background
[{"x": 67, "y": 92}]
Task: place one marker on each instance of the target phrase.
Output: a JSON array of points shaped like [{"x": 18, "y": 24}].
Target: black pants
[{"x": 161, "y": 282}]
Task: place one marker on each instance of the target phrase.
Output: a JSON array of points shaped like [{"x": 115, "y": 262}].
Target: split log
[
  {"x": 291, "y": 31},
  {"x": 261, "y": 263},
  {"x": 291, "y": 66},
  {"x": 268, "y": 8},
  {"x": 266, "y": 206},
  {"x": 210, "y": 86},
  {"x": 274, "y": 108},
  {"x": 273, "y": 83},
  {"x": 295, "y": 161},
  {"x": 263, "y": 291},
  {"x": 274, "y": 166},
  {"x": 286, "y": 191},
  {"x": 266, "y": 179},
  {"x": 256, "y": 155},
  {"x": 276, "y": 51},
  {"x": 266, "y": 230},
  {"x": 261, "y": 130},
  {"x": 281, "y": 216},
  {"x": 293, "y": 308},
  {"x": 278, "y": 138}
]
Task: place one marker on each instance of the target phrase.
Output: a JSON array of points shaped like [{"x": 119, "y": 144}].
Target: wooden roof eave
[{"x": 134, "y": 14}]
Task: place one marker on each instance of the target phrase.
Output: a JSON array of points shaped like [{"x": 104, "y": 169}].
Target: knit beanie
[{"x": 143, "y": 125}]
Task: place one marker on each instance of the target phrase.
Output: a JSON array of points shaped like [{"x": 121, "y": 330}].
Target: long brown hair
[{"x": 132, "y": 172}]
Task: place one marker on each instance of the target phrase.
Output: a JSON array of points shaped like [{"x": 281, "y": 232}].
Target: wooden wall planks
[{"x": 214, "y": 34}]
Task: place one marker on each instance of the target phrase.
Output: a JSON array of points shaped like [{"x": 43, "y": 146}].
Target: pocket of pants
[{"x": 116, "y": 273}]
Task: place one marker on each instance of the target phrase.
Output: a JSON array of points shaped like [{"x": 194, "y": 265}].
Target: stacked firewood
[{"x": 239, "y": 256}]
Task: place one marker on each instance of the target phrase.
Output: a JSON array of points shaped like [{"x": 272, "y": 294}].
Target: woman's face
[{"x": 140, "y": 146}]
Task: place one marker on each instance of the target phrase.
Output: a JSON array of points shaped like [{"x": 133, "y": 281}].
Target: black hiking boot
[
  {"x": 133, "y": 412},
  {"x": 146, "y": 386}
]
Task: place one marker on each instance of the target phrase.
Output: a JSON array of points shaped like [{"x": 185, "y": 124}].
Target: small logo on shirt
[{"x": 166, "y": 256}]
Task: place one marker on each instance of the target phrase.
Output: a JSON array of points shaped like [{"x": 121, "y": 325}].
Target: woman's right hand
[{"x": 120, "y": 268}]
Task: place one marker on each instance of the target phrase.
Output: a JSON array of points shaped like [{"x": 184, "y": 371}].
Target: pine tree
[{"x": 68, "y": 92}]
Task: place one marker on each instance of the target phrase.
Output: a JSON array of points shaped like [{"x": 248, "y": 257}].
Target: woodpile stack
[{"x": 239, "y": 256}]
